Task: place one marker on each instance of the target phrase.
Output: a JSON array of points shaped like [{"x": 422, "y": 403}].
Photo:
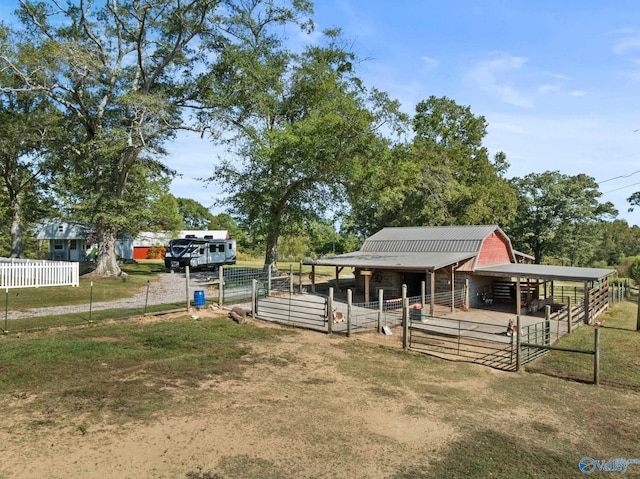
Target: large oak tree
[
  {"x": 124, "y": 74},
  {"x": 303, "y": 129}
]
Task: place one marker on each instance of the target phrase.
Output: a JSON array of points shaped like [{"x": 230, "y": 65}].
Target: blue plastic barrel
[{"x": 198, "y": 299}]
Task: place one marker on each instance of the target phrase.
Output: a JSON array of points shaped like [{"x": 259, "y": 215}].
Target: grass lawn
[
  {"x": 619, "y": 351},
  {"x": 214, "y": 399}
]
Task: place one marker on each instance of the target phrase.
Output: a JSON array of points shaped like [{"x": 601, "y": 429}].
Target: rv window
[
  {"x": 73, "y": 245},
  {"x": 221, "y": 248},
  {"x": 201, "y": 250}
]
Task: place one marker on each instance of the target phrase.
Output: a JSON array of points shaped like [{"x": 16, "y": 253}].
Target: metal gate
[
  {"x": 457, "y": 339},
  {"x": 537, "y": 333},
  {"x": 295, "y": 309}
]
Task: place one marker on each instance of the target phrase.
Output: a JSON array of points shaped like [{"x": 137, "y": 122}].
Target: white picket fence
[{"x": 29, "y": 273}]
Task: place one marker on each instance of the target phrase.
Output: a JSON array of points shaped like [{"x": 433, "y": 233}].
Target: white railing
[{"x": 28, "y": 273}]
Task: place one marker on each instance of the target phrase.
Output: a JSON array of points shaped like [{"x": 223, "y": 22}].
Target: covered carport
[{"x": 595, "y": 282}]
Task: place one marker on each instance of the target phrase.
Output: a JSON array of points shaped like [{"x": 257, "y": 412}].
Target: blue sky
[{"x": 557, "y": 81}]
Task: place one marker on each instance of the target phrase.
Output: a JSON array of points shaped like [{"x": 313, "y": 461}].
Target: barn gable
[{"x": 495, "y": 249}]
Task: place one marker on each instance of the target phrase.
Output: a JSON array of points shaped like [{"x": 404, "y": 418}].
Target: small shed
[
  {"x": 67, "y": 240},
  {"x": 73, "y": 241}
]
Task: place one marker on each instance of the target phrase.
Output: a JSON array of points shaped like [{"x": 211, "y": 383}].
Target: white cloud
[
  {"x": 578, "y": 93},
  {"x": 487, "y": 75},
  {"x": 510, "y": 79},
  {"x": 430, "y": 63},
  {"x": 629, "y": 42}
]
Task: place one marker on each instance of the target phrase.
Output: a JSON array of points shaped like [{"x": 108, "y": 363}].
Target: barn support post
[
  {"x": 313, "y": 278},
  {"x": 518, "y": 297},
  {"x": 380, "y": 306},
  {"x": 452, "y": 281},
  {"x": 330, "y": 312},
  {"x": 466, "y": 294},
  {"x": 337, "y": 279},
  {"x": 405, "y": 318},
  {"x": 349, "y": 304},
  {"x": 186, "y": 282},
  {"x": 569, "y": 315},
  {"x": 367, "y": 282},
  {"x": 432, "y": 292},
  {"x": 423, "y": 294}
]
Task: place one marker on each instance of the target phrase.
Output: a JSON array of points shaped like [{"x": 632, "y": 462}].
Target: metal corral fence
[
  {"x": 27, "y": 273},
  {"x": 473, "y": 341},
  {"x": 20, "y": 315}
]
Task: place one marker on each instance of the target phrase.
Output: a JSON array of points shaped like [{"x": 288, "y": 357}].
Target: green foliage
[
  {"x": 122, "y": 79},
  {"x": 194, "y": 215},
  {"x": 303, "y": 138},
  {"x": 634, "y": 270},
  {"x": 558, "y": 215},
  {"x": 443, "y": 177}
]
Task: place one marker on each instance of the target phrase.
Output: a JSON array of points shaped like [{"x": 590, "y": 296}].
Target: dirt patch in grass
[{"x": 212, "y": 399}]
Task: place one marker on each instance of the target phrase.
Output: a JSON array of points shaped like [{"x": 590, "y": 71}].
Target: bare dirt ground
[{"x": 296, "y": 413}]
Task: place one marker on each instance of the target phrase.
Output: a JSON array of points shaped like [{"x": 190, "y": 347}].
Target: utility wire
[
  {"x": 621, "y": 176},
  {"x": 621, "y": 188}
]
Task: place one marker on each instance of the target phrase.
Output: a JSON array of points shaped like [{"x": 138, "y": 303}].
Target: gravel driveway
[{"x": 167, "y": 288}]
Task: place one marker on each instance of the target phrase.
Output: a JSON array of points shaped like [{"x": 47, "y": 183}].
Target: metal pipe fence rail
[
  {"x": 472, "y": 341},
  {"x": 538, "y": 334}
]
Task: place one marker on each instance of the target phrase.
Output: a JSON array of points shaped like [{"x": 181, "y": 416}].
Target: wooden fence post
[
  {"x": 186, "y": 276},
  {"x": 638, "y": 319},
  {"x": 596, "y": 356},
  {"x": 254, "y": 298},
  {"x": 291, "y": 279},
  {"x": 330, "y": 311},
  {"x": 547, "y": 324},
  {"x": 518, "y": 341},
  {"x": 405, "y": 318},
  {"x": 221, "y": 286},
  {"x": 380, "y": 310},
  {"x": 569, "y": 315},
  {"x": 349, "y": 302},
  {"x": 300, "y": 278}
]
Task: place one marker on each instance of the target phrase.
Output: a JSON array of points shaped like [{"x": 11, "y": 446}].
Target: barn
[{"x": 462, "y": 267}]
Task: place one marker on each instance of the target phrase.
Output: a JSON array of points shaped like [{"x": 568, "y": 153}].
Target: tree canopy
[
  {"x": 123, "y": 75},
  {"x": 557, "y": 216},
  {"x": 300, "y": 139}
]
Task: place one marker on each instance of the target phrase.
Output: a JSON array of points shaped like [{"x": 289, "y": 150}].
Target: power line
[
  {"x": 621, "y": 188},
  {"x": 621, "y": 176}
]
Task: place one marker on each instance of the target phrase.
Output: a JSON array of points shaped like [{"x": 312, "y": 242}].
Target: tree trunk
[
  {"x": 273, "y": 232},
  {"x": 106, "y": 264},
  {"x": 17, "y": 230}
]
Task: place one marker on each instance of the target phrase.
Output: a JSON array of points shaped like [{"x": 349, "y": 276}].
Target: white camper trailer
[{"x": 199, "y": 253}]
